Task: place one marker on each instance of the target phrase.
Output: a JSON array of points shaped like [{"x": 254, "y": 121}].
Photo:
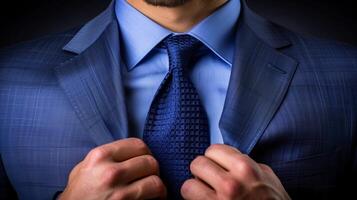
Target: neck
[{"x": 180, "y": 18}]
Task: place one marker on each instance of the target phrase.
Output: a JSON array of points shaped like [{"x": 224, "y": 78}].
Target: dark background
[{"x": 23, "y": 20}]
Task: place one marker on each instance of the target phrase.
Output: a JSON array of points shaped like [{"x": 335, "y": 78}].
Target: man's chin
[{"x": 167, "y": 3}]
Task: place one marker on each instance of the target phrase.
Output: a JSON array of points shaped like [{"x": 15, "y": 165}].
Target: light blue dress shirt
[{"x": 147, "y": 65}]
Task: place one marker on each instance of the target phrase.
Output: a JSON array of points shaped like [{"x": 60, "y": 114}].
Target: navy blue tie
[{"x": 176, "y": 128}]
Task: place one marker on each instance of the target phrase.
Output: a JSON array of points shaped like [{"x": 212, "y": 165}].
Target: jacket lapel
[
  {"x": 92, "y": 79},
  {"x": 259, "y": 81}
]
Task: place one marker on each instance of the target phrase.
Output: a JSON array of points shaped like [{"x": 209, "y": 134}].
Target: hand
[
  {"x": 120, "y": 170},
  {"x": 225, "y": 173}
]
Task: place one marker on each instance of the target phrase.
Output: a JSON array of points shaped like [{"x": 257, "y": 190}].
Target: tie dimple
[{"x": 176, "y": 128}]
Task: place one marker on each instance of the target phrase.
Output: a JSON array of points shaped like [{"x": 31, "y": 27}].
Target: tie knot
[{"x": 181, "y": 49}]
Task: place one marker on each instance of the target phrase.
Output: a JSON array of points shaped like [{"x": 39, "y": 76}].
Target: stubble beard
[{"x": 167, "y": 3}]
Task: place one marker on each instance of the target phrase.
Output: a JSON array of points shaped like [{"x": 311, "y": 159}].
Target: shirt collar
[{"x": 139, "y": 34}]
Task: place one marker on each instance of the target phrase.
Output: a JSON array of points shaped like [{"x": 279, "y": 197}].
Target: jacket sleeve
[{"x": 6, "y": 190}]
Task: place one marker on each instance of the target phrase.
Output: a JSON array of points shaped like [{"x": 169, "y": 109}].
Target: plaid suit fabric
[
  {"x": 291, "y": 104},
  {"x": 36, "y": 117}
]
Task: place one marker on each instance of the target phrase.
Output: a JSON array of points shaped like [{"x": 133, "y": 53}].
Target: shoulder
[
  {"x": 326, "y": 64},
  {"x": 41, "y": 53},
  {"x": 322, "y": 54},
  {"x": 26, "y": 69},
  {"x": 32, "y": 62}
]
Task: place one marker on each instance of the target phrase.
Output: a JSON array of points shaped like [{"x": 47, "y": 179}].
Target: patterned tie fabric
[{"x": 176, "y": 128}]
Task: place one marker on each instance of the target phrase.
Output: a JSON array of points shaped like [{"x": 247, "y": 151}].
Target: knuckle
[
  {"x": 139, "y": 145},
  {"x": 243, "y": 165},
  {"x": 139, "y": 191},
  {"x": 135, "y": 140},
  {"x": 98, "y": 154},
  {"x": 158, "y": 184},
  {"x": 112, "y": 174},
  {"x": 187, "y": 191},
  {"x": 185, "y": 188},
  {"x": 231, "y": 188},
  {"x": 152, "y": 163},
  {"x": 266, "y": 168},
  {"x": 77, "y": 168},
  {"x": 247, "y": 168},
  {"x": 107, "y": 177},
  {"x": 213, "y": 147},
  {"x": 155, "y": 181},
  {"x": 198, "y": 161},
  {"x": 121, "y": 170}
]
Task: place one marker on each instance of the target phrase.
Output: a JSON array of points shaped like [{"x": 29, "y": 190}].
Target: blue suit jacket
[{"x": 291, "y": 103}]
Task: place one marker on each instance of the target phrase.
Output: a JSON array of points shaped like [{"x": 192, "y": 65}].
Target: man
[{"x": 226, "y": 105}]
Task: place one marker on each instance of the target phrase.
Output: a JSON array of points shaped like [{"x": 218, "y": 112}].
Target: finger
[
  {"x": 125, "y": 149},
  {"x": 147, "y": 188},
  {"x": 209, "y": 172},
  {"x": 136, "y": 168},
  {"x": 266, "y": 168},
  {"x": 238, "y": 164},
  {"x": 197, "y": 190}
]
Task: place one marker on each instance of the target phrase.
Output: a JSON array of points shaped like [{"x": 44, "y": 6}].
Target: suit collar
[
  {"x": 140, "y": 35},
  {"x": 260, "y": 79},
  {"x": 263, "y": 28},
  {"x": 92, "y": 79},
  {"x": 89, "y": 33}
]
